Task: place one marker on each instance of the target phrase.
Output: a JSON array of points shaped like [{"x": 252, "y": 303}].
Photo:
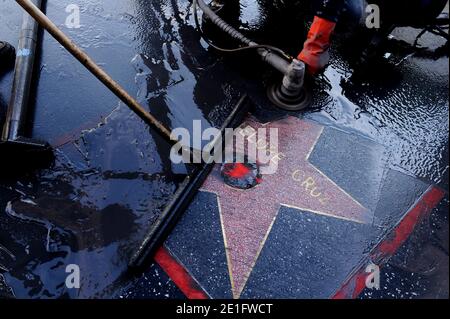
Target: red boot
[{"x": 315, "y": 50}]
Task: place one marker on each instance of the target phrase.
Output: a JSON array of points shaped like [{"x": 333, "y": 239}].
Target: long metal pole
[
  {"x": 26, "y": 53},
  {"x": 84, "y": 59}
]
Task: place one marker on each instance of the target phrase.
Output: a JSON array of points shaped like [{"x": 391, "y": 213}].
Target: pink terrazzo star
[{"x": 247, "y": 216}]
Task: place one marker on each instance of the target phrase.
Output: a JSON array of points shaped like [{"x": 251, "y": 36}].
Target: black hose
[
  {"x": 224, "y": 26},
  {"x": 235, "y": 50},
  {"x": 271, "y": 55}
]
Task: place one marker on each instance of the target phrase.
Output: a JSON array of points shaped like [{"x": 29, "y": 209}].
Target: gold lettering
[
  {"x": 277, "y": 158},
  {"x": 309, "y": 183},
  {"x": 296, "y": 176},
  {"x": 315, "y": 193}
]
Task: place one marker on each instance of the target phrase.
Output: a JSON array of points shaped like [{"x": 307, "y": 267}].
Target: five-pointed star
[{"x": 247, "y": 216}]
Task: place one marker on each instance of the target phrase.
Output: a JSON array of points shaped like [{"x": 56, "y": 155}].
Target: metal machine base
[{"x": 286, "y": 100}]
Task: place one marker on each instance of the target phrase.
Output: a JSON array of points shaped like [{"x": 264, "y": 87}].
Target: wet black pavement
[{"x": 111, "y": 180}]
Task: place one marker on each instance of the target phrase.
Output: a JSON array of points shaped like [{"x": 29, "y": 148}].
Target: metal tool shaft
[{"x": 26, "y": 54}]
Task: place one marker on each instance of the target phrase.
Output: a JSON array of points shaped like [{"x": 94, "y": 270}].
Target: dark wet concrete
[
  {"x": 112, "y": 175},
  {"x": 420, "y": 268},
  {"x": 119, "y": 171}
]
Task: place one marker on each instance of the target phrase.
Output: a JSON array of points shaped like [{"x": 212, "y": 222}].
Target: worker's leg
[
  {"x": 415, "y": 13},
  {"x": 353, "y": 14}
]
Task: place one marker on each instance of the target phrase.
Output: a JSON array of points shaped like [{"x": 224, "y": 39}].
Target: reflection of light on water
[
  {"x": 4, "y": 250},
  {"x": 251, "y": 13},
  {"x": 394, "y": 108},
  {"x": 347, "y": 113},
  {"x": 11, "y": 212}
]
